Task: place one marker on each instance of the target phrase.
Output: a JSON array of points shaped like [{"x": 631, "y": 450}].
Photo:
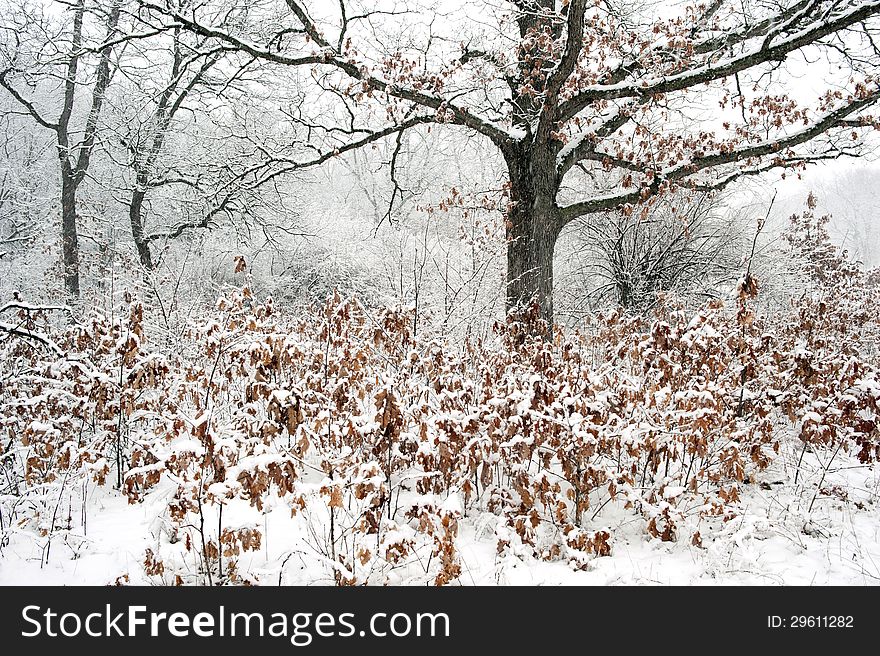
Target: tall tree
[
  {"x": 187, "y": 67},
  {"x": 591, "y": 108},
  {"x": 74, "y": 146},
  {"x": 168, "y": 71}
]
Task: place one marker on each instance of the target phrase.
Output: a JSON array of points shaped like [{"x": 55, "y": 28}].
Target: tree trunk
[
  {"x": 135, "y": 208},
  {"x": 532, "y": 229},
  {"x": 530, "y": 249},
  {"x": 69, "y": 237}
]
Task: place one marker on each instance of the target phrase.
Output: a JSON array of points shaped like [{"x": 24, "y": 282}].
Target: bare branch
[
  {"x": 458, "y": 114},
  {"x": 710, "y": 71},
  {"x": 743, "y": 154},
  {"x": 308, "y": 24},
  {"x": 285, "y": 165},
  {"x": 24, "y": 333},
  {"x": 24, "y": 102}
]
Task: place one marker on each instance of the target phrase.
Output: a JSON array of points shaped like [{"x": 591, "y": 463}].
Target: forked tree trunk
[
  {"x": 532, "y": 229},
  {"x": 73, "y": 171}
]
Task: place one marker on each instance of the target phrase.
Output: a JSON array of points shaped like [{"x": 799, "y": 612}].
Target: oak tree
[{"x": 591, "y": 107}]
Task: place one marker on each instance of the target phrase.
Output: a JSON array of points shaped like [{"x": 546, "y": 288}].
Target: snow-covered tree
[{"x": 591, "y": 107}]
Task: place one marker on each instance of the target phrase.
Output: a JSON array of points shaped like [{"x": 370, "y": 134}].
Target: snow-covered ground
[{"x": 775, "y": 539}]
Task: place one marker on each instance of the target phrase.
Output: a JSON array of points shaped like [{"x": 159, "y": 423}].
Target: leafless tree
[
  {"x": 59, "y": 56},
  {"x": 187, "y": 62},
  {"x": 686, "y": 245}
]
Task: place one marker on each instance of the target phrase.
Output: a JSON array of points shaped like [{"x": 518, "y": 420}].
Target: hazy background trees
[{"x": 24, "y": 201}]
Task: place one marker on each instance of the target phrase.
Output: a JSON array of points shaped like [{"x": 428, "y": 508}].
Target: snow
[
  {"x": 672, "y": 491},
  {"x": 773, "y": 541}
]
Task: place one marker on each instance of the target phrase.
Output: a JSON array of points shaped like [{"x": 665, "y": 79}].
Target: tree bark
[
  {"x": 69, "y": 236},
  {"x": 135, "y": 209},
  {"x": 533, "y": 225}
]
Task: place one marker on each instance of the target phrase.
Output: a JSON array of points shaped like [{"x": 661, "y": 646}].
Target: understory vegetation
[{"x": 381, "y": 444}]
